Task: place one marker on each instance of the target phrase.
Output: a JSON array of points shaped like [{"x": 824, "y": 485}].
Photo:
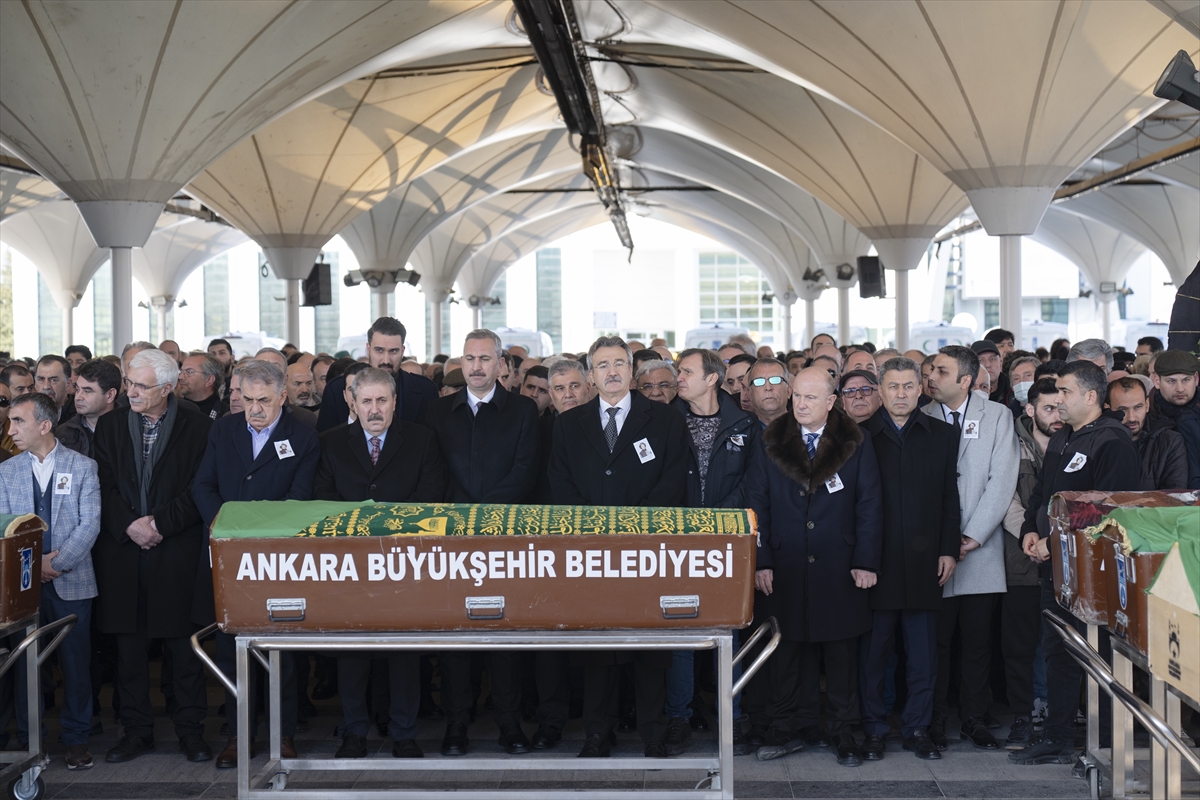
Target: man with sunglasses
[
  {"x": 859, "y": 391},
  {"x": 768, "y": 386}
]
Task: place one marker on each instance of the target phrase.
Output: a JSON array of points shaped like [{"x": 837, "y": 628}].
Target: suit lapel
[
  {"x": 635, "y": 420},
  {"x": 283, "y": 430},
  {"x": 593, "y": 431},
  {"x": 357, "y": 443},
  {"x": 973, "y": 413},
  {"x": 391, "y": 446}
]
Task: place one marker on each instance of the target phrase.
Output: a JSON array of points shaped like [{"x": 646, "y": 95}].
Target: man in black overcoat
[
  {"x": 262, "y": 453},
  {"x": 814, "y": 484},
  {"x": 620, "y": 449},
  {"x": 488, "y": 438},
  {"x": 381, "y": 458},
  {"x": 148, "y": 552},
  {"x": 918, "y": 457}
]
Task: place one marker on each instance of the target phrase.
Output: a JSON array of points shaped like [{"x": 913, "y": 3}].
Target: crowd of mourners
[{"x": 900, "y": 500}]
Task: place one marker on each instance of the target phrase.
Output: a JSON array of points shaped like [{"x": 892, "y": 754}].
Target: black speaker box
[
  {"x": 870, "y": 277},
  {"x": 318, "y": 289}
]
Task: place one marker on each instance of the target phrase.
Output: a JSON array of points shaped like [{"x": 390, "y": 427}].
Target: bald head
[{"x": 814, "y": 392}]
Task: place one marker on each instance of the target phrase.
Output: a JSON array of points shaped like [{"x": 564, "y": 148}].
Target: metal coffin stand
[
  {"x": 274, "y": 777},
  {"x": 20, "y": 770},
  {"x": 1161, "y": 718}
]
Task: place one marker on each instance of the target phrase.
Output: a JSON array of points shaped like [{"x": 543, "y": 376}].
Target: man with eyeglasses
[
  {"x": 148, "y": 553},
  {"x": 859, "y": 391},
  {"x": 657, "y": 381},
  {"x": 769, "y": 387},
  {"x": 199, "y": 380}
]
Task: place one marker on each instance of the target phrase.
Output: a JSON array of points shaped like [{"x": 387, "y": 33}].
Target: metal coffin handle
[
  {"x": 198, "y": 649},
  {"x": 756, "y": 665},
  {"x": 680, "y": 606},
  {"x": 63, "y": 626},
  {"x": 485, "y": 607},
  {"x": 286, "y": 609}
]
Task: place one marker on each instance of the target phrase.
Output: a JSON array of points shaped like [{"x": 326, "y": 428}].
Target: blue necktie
[{"x": 810, "y": 441}]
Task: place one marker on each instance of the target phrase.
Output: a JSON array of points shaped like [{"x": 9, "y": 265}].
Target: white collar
[
  {"x": 625, "y": 403},
  {"x": 476, "y": 401},
  {"x": 962, "y": 410},
  {"x": 818, "y": 431},
  {"x": 49, "y": 459}
]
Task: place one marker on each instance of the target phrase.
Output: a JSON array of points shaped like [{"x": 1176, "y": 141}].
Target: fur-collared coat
[{"x": 810, "y": 536}]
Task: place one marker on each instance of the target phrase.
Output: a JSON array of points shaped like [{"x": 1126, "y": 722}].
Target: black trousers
[
  {"x": 550, "y": 672},
  {"x": 404, "y": 693},
  {"x": 794, "y": 685},
  {"x": 227, "y": 661},
  {"x": 919, "y": 630},
  {"x": 601, "y": 693},
  {"x": 458, "y": 696},
  {"x": 971, "y": 614},
  {"x": 1020, "y": 631},
  {"x": 133, "y": 684},
  {"x": 1064, "y": 676}
]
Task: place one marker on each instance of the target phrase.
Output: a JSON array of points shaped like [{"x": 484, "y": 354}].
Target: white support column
[
  {"x": 1010, "y": 286},
  {"x": 293, "y": 310},
  {"x": 162, "y": 322},
  {"x": 378, "y": 305},
  {"x": 810, "y": 322},
  {"x": 843, "y": 317},
  {"x": 435, "y": 324},
  {"x": 476, "y": 317},
  {"x": 787, "y": 328},
  {"x": 68, "y": 327},
  {"x": 902, "y": 324},
  {"x": 1106, "y": 316},
  {"x": 122, "y": 298}
]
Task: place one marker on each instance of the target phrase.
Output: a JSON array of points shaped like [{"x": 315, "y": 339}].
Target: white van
[
  {"x": 1137, "y": 329},
  {"x": 538, "y": 343},
  {"x": 710, "y": 337},
  {"x": 247, "y": 343},
  {"x": 1040, "y": 333},
  {"x": 931, "y": 337}
]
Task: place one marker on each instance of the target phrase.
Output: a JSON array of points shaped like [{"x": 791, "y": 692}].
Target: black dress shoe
[
  {"x": 1044, "y": 751},
  {"x": 698, "y": 721},
  {"x": 195, "y": 748},
  {"x": 978, "y": 735},
  {"x": 756, "y": 736},
  {"x": 353, "y": 746},
  {"x": 407, "y": 748},
  {"x": 513, "y": 741},
  {"x": 129, "y": 747},
  {"x": 656, "y": 750},
  {"x": 849, "y": 754},
  {"x": 546, "y": 738},
  {"x": 873, "y": 748},
  {"x": 677, "y": 738},
  {"x": 814, "y": 736},
  {"x": 454, "y": 743},
  {"x": 779, "y": 743},
  {"x": 937, "y": 735},
  {"x": 596, "y": 746},
  {"x": 741, "y": 747},
  {"x": 920, "y": 744}
]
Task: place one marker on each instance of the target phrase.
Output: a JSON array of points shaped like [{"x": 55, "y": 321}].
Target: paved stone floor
[{"x": 962, "y": 773}]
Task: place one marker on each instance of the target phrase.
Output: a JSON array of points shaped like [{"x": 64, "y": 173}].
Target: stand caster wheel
[{"x": 21, "y": 789}]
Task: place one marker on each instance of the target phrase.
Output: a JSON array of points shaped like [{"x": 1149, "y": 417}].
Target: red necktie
[{"x": 374, "y": 450}]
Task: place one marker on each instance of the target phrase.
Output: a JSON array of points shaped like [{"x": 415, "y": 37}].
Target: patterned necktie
[
  {"x": 810, "y": 441},
  {"x": 610, "y": 430},
  {"x": 957, "y": 420},
  {"x": 374, "y": 450}
]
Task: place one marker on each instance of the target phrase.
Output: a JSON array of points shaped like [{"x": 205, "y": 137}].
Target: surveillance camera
[
  {"x": 1180, "y": 81},
  {"x": 353, "y": 278}
]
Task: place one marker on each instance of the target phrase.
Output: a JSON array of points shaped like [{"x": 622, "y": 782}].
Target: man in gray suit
[
  {"x": 61, "y": 487},
  {"x": 988, "y": 461}
]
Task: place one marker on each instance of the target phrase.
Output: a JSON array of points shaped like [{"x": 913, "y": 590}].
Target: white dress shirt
[
  {"x": 819, "y": 431},
  {"x": 43, "y": 470},
  {"x": 948, "y": 412},
  {"x": 474, "y": 401},
  {"x": 623, "y": 405}
]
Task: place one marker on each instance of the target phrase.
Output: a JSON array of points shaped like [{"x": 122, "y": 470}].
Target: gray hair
[
  {"x": 44, "y": 408},
  {"x": 743, "y": 341},
  {"x": 710, "y": 360},
  {"x": 137, "y": 346},
  {"x": 650, "y": 366},
  {"x": 270, "y": 350},
  {"x": 373, "y": 376},
  {"x": 166, "y": 370},
  {"x": 484, "y": 333},
  {"x": 609, "y": 341},
  {"x": 1090, "y": 350},
  {"x": 899, "y": 364},
  {"x": 770, "y": 362},
  {"x": 565, "y": 365},
  {"x": 888, "y": 351},
  {"x": 1037, "y": 362},
  {"x": 265, "y": 372},
  {"x": 211, "y": 368}
]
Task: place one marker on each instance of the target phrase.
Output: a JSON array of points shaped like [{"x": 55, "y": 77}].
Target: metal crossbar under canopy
[{"x": 273, "y": 778}]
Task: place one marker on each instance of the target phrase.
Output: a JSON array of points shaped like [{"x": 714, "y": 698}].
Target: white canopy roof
[{"x": 1103, "y": 254}]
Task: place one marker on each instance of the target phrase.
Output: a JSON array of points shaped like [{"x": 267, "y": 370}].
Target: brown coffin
[
  {"x": 1128, "y": 604},
  {"x": 20, "y": 569},
  {"x": 1080, "y": 581},
  {"x": 355, "y": 584}
]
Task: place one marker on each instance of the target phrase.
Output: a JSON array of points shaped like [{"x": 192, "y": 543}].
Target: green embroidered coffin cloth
[
  {"x": 265, "y": 519},
  {"x": 1156, "y": 530}
]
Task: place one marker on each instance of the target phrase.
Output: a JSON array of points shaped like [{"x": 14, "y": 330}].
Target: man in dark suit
[
  {"x": 620, "y": 449},
  {"x": 488, "y": 438},
  {"x": 814, "y": 484},
  {"x": 918, "y": 458},
  {"x": 385, "y": 350},
  {"x": 260, "y": 454},
  {"x": 362, "y": 461},
  {"x": 148, "y": 552}
]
